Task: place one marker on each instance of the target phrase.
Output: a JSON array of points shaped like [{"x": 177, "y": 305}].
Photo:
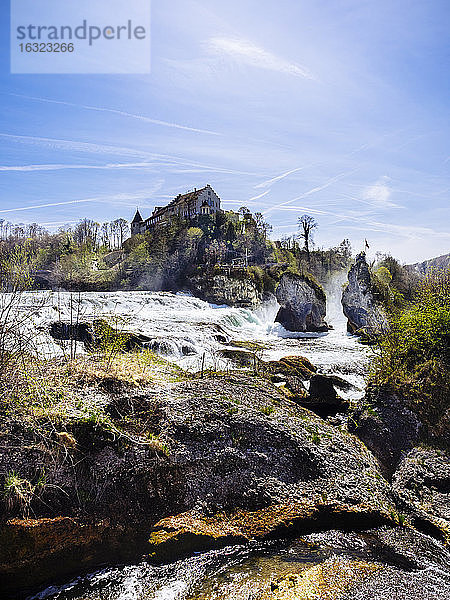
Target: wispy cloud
[
  {"x": 121, "y": 113},
  {"x": 379, "y": 194},
  {"x": 122, "y": 166},
  {"x": 76, "y": 146},
  {"x": 259, "y": 196},
  {"x": 314, "y": 190},
  {"x": 411, "y": 232},
  {"x": 59, "y": 167},
  {"x": 99, "y": 199},
  {"x": 305, "y": 209},
  {"x": 245, "y": 52},
  {"x": 152, "y": 159}
]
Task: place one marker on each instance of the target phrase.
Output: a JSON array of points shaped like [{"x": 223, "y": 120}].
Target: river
[{"x": 184, "y": 329}]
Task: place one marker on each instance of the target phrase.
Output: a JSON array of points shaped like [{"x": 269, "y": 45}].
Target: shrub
[{"x": 413, "y": 358}]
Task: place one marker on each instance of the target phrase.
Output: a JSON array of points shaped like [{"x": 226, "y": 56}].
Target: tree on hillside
[
  {"x": 122, "y": 228},
  {"x": 306, "y": 225},
  {"x": 244, "y": 211},
  {"x": 262, "y": 226}
]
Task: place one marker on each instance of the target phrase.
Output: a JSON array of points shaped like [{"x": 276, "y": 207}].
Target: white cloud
[
  {"x": 379, "y": 194},
  {"x": 250, "y": 54}
]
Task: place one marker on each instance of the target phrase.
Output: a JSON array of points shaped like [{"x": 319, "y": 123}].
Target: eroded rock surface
[
  {"x": 214, "y": 446},
  {"x": 303, "y": 304},
  {"x": 411, "y": 454},
  {"x": 387, "y": 426},
  {"x": 363, "y": 314},
  {"x": 226, "y": 289}
]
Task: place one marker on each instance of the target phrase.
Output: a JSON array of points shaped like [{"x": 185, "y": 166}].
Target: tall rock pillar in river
[
  {"x": 303, "y": 304},
  {"x": 363, "y": 314}
]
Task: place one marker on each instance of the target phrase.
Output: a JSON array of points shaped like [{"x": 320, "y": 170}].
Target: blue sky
[{"x": 335, "y": 108}]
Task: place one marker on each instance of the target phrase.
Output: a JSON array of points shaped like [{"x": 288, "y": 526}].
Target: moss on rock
[{"x": 327, "y": 581}]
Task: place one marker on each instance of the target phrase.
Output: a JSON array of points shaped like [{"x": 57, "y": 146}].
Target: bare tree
[
  {"x": 306, "y": 225},
  {"x": 105, "y": 235},
  {"x": 122, "y": 230}
]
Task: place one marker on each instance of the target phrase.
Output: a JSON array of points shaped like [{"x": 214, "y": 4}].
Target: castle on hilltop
[{"x": 187, "y": 206}]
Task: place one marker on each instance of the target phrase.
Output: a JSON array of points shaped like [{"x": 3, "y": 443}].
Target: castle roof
[
  {"x": 180, "y": 199},
  {"x": 137, "y": 217}
]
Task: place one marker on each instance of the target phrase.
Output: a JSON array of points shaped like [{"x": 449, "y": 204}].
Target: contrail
[
  {"x": 259, "y": 196},
  {"x": 98, "y": 199},
  {"x": 279, "y": 177},
  {"x": 312, "y": 191},
  {"x": 93, "y": 148},
  {"x": 119, "y": 112}
]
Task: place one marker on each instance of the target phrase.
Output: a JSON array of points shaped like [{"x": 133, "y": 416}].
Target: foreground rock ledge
[
  {"x": 32, "y": 551},
  {"x": 190, "y": 532},
  {"x": 233, "y": 445}
]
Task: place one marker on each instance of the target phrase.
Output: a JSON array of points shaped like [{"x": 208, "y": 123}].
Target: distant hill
[{"x": 440, "y": 262}]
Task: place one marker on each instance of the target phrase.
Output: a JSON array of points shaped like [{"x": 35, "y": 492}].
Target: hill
[{"x": 440, "y": 262}]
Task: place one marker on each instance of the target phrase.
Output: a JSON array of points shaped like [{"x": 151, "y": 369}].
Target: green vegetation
[
  {"x": 393, "y": 284},
  {"x": 17, "y": 493},
  {"x": 93, "y": 256},
  {"x": 413, "y": 358}
]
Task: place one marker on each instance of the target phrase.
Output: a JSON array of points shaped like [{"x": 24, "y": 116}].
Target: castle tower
[{"x": 136, "y": 223}]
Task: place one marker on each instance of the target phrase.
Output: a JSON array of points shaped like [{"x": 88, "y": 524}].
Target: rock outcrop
[
  {"x": 303, "y": 304},
  {"x": 97, "y": 332},
  {"x": 422, "y": 481},
  {"x": 226, "y": 289},
  {"x": 411, "y": 455},
  {"x": 181, "y": 534},
  {"x": 363, "y": 314},
  {"x": 231, "y": 445},
  {"x": 387, "y": 427}
]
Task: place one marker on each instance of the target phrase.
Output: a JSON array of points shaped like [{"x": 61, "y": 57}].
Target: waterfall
[{"x": 333, "y": 290}]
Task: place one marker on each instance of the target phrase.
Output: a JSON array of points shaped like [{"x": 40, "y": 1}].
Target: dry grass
[
  {"x": 132, "y": 369},
  {"x": 48, "y": 394}
]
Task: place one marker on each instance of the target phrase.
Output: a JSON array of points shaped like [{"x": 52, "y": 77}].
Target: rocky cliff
[
  {"x": 187, "y": 464},
  {"x": 226, "y": 289},
  {"x": 303, "y": 304},
  {"x": 363, "y": 313}
]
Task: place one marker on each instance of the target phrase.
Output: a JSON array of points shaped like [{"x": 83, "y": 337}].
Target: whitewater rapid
[{"x": 184, "y": 329}]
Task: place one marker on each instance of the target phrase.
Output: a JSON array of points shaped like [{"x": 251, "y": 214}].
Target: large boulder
[
  {"x": 303, "y": 304},
  {"x": 97, "y": 333},
  {"x": 226, "y": 289},
  {"x": 411, "y": 454},
  {"x": 363, "y": 314},
  {"x": 422, "y": 481},
  {"x": 387, "y": 426},
  {"x": 231, "y": 445}
]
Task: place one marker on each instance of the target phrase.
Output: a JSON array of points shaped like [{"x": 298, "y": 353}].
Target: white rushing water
[
  {"x": 243, "y": 572},
  {"x": 183, "y": 329}
]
